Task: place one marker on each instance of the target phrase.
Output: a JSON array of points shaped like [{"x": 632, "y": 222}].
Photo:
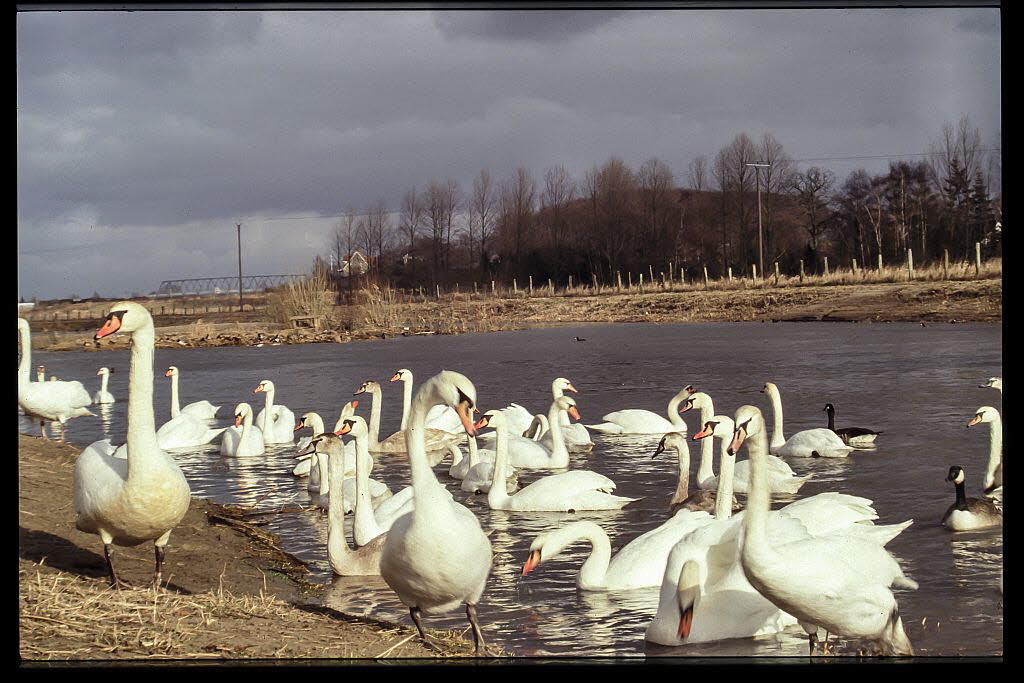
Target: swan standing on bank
[
  {"x": 571, "y": 491},
  {"x": 276, "y": 421},
  {"x": 437, "y": 556},
  {"x": 48, "y": 401},
  {"x": 244, "y": 439},
  {"x": 994, "y": 471},
  {"x": 638, "y": 421},
  {"x": 434, "y": 439},
  {"x": 969, "y": 514},
  {"x": 810, "y": 443},
  {"x": 836, "y": 582},
  {"x": 102, "y": 395},
  {"x": 141, "y": 498},
  {"x": 858, "y": 437},
  {"x": 203, "y": 410}
]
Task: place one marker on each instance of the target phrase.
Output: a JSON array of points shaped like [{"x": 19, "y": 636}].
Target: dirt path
[{"x": 231, "y": 593}]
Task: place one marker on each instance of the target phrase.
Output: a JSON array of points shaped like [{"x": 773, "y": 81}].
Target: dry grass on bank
[{"x": 308, "y": 296}]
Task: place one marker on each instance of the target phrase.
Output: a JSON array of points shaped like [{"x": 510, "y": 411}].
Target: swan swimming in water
[{"x": 809, "y": 443}]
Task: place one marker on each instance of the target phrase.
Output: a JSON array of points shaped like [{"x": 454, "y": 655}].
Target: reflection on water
[{"x": 923, "y": 389}]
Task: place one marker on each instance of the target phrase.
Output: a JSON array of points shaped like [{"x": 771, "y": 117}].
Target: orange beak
[
  {"x": 238, "y": 420},
  {"x": 481, "y": 423},
  {"x": 531, "y": 562},
  {"x": 685, "y": 623},
  {"x": 686, "y": 407},
  {"x": 299, "y": 425},
  {"x": 702, "y": 434},
  {"x": 258, "y": 389},
  {"x": 975, "y": 420},
  {"x": 575, "y": 414},
  {"x": 355, "y": 404},
  {"x": 395, "y": 377},
  {"x": 346, "y": 427},
  {"x": 466, "y": 416},
  {"x": 737, "y": 440},
  {"x": 168, "y": 373},
  {"x": 110, "y": 326},
  {"x": 572, "y": 389}
]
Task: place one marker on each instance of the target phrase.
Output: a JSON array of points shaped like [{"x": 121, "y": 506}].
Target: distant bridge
[{"x": 223, "y": 285}]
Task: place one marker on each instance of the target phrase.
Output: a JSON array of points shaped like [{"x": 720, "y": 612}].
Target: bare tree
[
  {"x": 812, "y": 190},
  {"x": 656, "y": 183},
  {"x": 518, "y": 195},
  {"x": 698, "y": 173},
  {"x": 775, "y": 179},
  {"x": 482, "y": 209},
  {"x": 378, "y": 229},
  {"x": 411, "y": 221},
  {"x": 961, "y": 143},
  {"x": 559, "y": 192}
]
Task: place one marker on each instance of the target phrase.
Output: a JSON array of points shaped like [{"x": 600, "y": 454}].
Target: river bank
[
  {"x": 231, "y": 592},
  {"x": 951, "y": 301}
]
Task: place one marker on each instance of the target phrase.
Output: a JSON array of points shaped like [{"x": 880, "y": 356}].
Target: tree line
[{"x": 616, "y": 219}]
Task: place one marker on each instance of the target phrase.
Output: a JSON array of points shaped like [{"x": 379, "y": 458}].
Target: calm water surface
[{"x": 918, "y": 385}]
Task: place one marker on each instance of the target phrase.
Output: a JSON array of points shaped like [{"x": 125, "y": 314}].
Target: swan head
[
  {"x": 367, "y": 386},
  {"x": 455, "y": 390},
  {"x": 402, "y": 375},
  {"x": 492, "y": 418},
  {"x": 749, "y": 422},
  {"x": 670, "y": 440},
  {"x": 22, "y": 324},
  {"x": 568, "y": 405},
  {"x": 124, "y": 316},
  {"x": 241, "y": 411},
  {"x": 694, "y": 399},
  {"x": 101, "y": 371},
  {"x": 721, "y": 426},
  {"x": 172, "y": 371},
  {"x": 770, "y": 389},
  {"x": 266, "y": 385},
  {"x": 307, "y": 420},
  {"x": 349, "y": 409},
  {"x": 690, "y": 389},
  {"x": 956, "y": 474},
  {"x": 326, "y": 443},
  {"x": 564, "y": 384},
  {"x": 354, "y": 426},
  {"x": 984, "y": 414},
  {"x": 993, "y": 382},
  {"x": 550, "y": 543},
  {"x": 688, "y": 591}
]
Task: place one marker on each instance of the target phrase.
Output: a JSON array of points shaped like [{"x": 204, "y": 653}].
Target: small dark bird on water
[{"x": 579, "y": 339}]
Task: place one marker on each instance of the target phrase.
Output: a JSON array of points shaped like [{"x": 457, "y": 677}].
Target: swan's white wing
[
  {"x": 204, "y": 410},
  {"x": 641, "y": 562},
  {"x": 806, "y": 443},
  {"x": 637, "y": 421}
]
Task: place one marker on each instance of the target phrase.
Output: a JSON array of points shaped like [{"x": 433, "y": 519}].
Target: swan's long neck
[
  {"x": 474, "y": 454},
  {"x": 363, "y": 520},
  {"x": 269, "y": 407},
  {"x": 175, "y": 406},
  {"x": 103, "y": 381},
  {"x": 559, "y": 453},
  {"x": 995, "y": 449},
  {"x": 24, "y": 368},
  {"x": 317, "y": 423},
  {"x": 778, "y": 436},
  {"x": 755, "y": 520},
  {"x": 406, "y": 400},
  {"x": 557, "y": 393},
  {"x": 673, "y": 411},
  {"x": 338, "y": 551},
  {"x": 498, "y": 493},
  {"x": 375, "y": 418},
  {"x": 594, "y": 572},
  {"x": 723, "y": 495},
  {"x": 142, "y": 443},
  {"x": 683, "y": 483},
  {"x": 427, "y": 491},
  {"x": 247, "y": 429},
  {"x": 323, "y": 466},
  {"x": 706, "y": 470}
]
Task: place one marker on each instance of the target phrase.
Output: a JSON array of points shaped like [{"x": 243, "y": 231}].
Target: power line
[{"x": 887, "y": 156}]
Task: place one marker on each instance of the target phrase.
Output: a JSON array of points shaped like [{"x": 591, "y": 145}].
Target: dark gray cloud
[
  {"x": 167, "y": 127},
  {"x": 539, "y": 26}
]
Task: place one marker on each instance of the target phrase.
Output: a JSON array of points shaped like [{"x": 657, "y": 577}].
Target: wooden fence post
[
  {"x": 730, "y": 273},
  {"x": 650, "y": 269},
  {"x": 493, "y": 292},
  {"x": 661, "y": 274},
  {"x": 776, "y": 273},
  {"x": 705, "y": 277},
  {"x": 977, "y": 258},
  {"x": 437, "y": 291},
  {"x": 801, "y": 270},
  {"x": 753, "y": 273},
  {"x": 570, "y": 282},
  {"x": 826, "y": 266},
  {"x": 515, "y": 286},
  {"x": 641, "y": 283},
  {"x": 671, "y": 272},
  {"x": 551, "y": 288},
  {"x": 945, "y": 264},
  {"x": 879, "y": 263},
  {"x": 618, "y": 279},
  {"x": 854, "y": 266},
  {"x": 593, "y": 281},
  {"x": 531, "y": 285},
  {"x": 629, "y": 279},
  {"x": 910, "y": 264}
]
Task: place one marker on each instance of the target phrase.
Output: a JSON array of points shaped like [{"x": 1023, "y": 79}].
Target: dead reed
[{"x": 308, "y": 296}]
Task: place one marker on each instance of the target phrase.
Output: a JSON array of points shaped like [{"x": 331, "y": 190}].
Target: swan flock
[{"x": 725, "y": 567}]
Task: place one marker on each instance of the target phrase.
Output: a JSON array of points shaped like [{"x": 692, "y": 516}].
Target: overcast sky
[{"x": 144, "y": 137}]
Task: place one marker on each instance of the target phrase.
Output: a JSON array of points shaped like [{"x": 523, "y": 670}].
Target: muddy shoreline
[
  {"x": 928, "y": 302},
  {"x": 231, "y": 592}
]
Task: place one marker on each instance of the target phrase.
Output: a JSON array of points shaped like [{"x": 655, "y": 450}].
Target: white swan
[
  {"x": 969, "y": 514},
  {"x": 244, "y": 439},
  {"x": 527, "y": 454},
  {"x": 729, "y": 606},
  {"x": 321, "y": 486},
  {"x": 48, "y": 401},
  {"x": 102, "y": 395},
  {"x": 639, "y": 564},
  {"x": 781, "y": 477},
  {"x": 837, "y": 582},
  {"x": 141, "y": 498},
  {"x": 994, "y": 471},
  {"x": 810, "y": 443},
  {"x": 276, "y": 421},
  {"x": 575, "y": 435},
  {"x": 203, "y": 410},
  {"x": 480, "y": 475},
  {"x": 993, "y": 383},
  {"x": 638, "y": 421},
  {"x": 186, "y": 431},
  {"x": 435, "y": 440},
  {"x": 313, "y": 420},
  {"x": 344, "y": 561},
  {"x": 682, "y": 499},
  {"x": 437, "y": 556},
  {"x": 571, "y": 491}
]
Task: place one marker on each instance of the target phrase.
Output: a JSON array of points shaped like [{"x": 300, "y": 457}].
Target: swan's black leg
[
  {"x": 812, "y": 642},
  {"x": 108, "y": 552},
  {"x": 478, "y": 636},
  {"x": 415, "y": 612},
  {"x": 159, "y": 563}
]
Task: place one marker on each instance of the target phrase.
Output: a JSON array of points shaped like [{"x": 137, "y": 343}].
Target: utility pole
[
  {"x": 760, "y": 232},
  {"x": 239, "y": 226}
]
